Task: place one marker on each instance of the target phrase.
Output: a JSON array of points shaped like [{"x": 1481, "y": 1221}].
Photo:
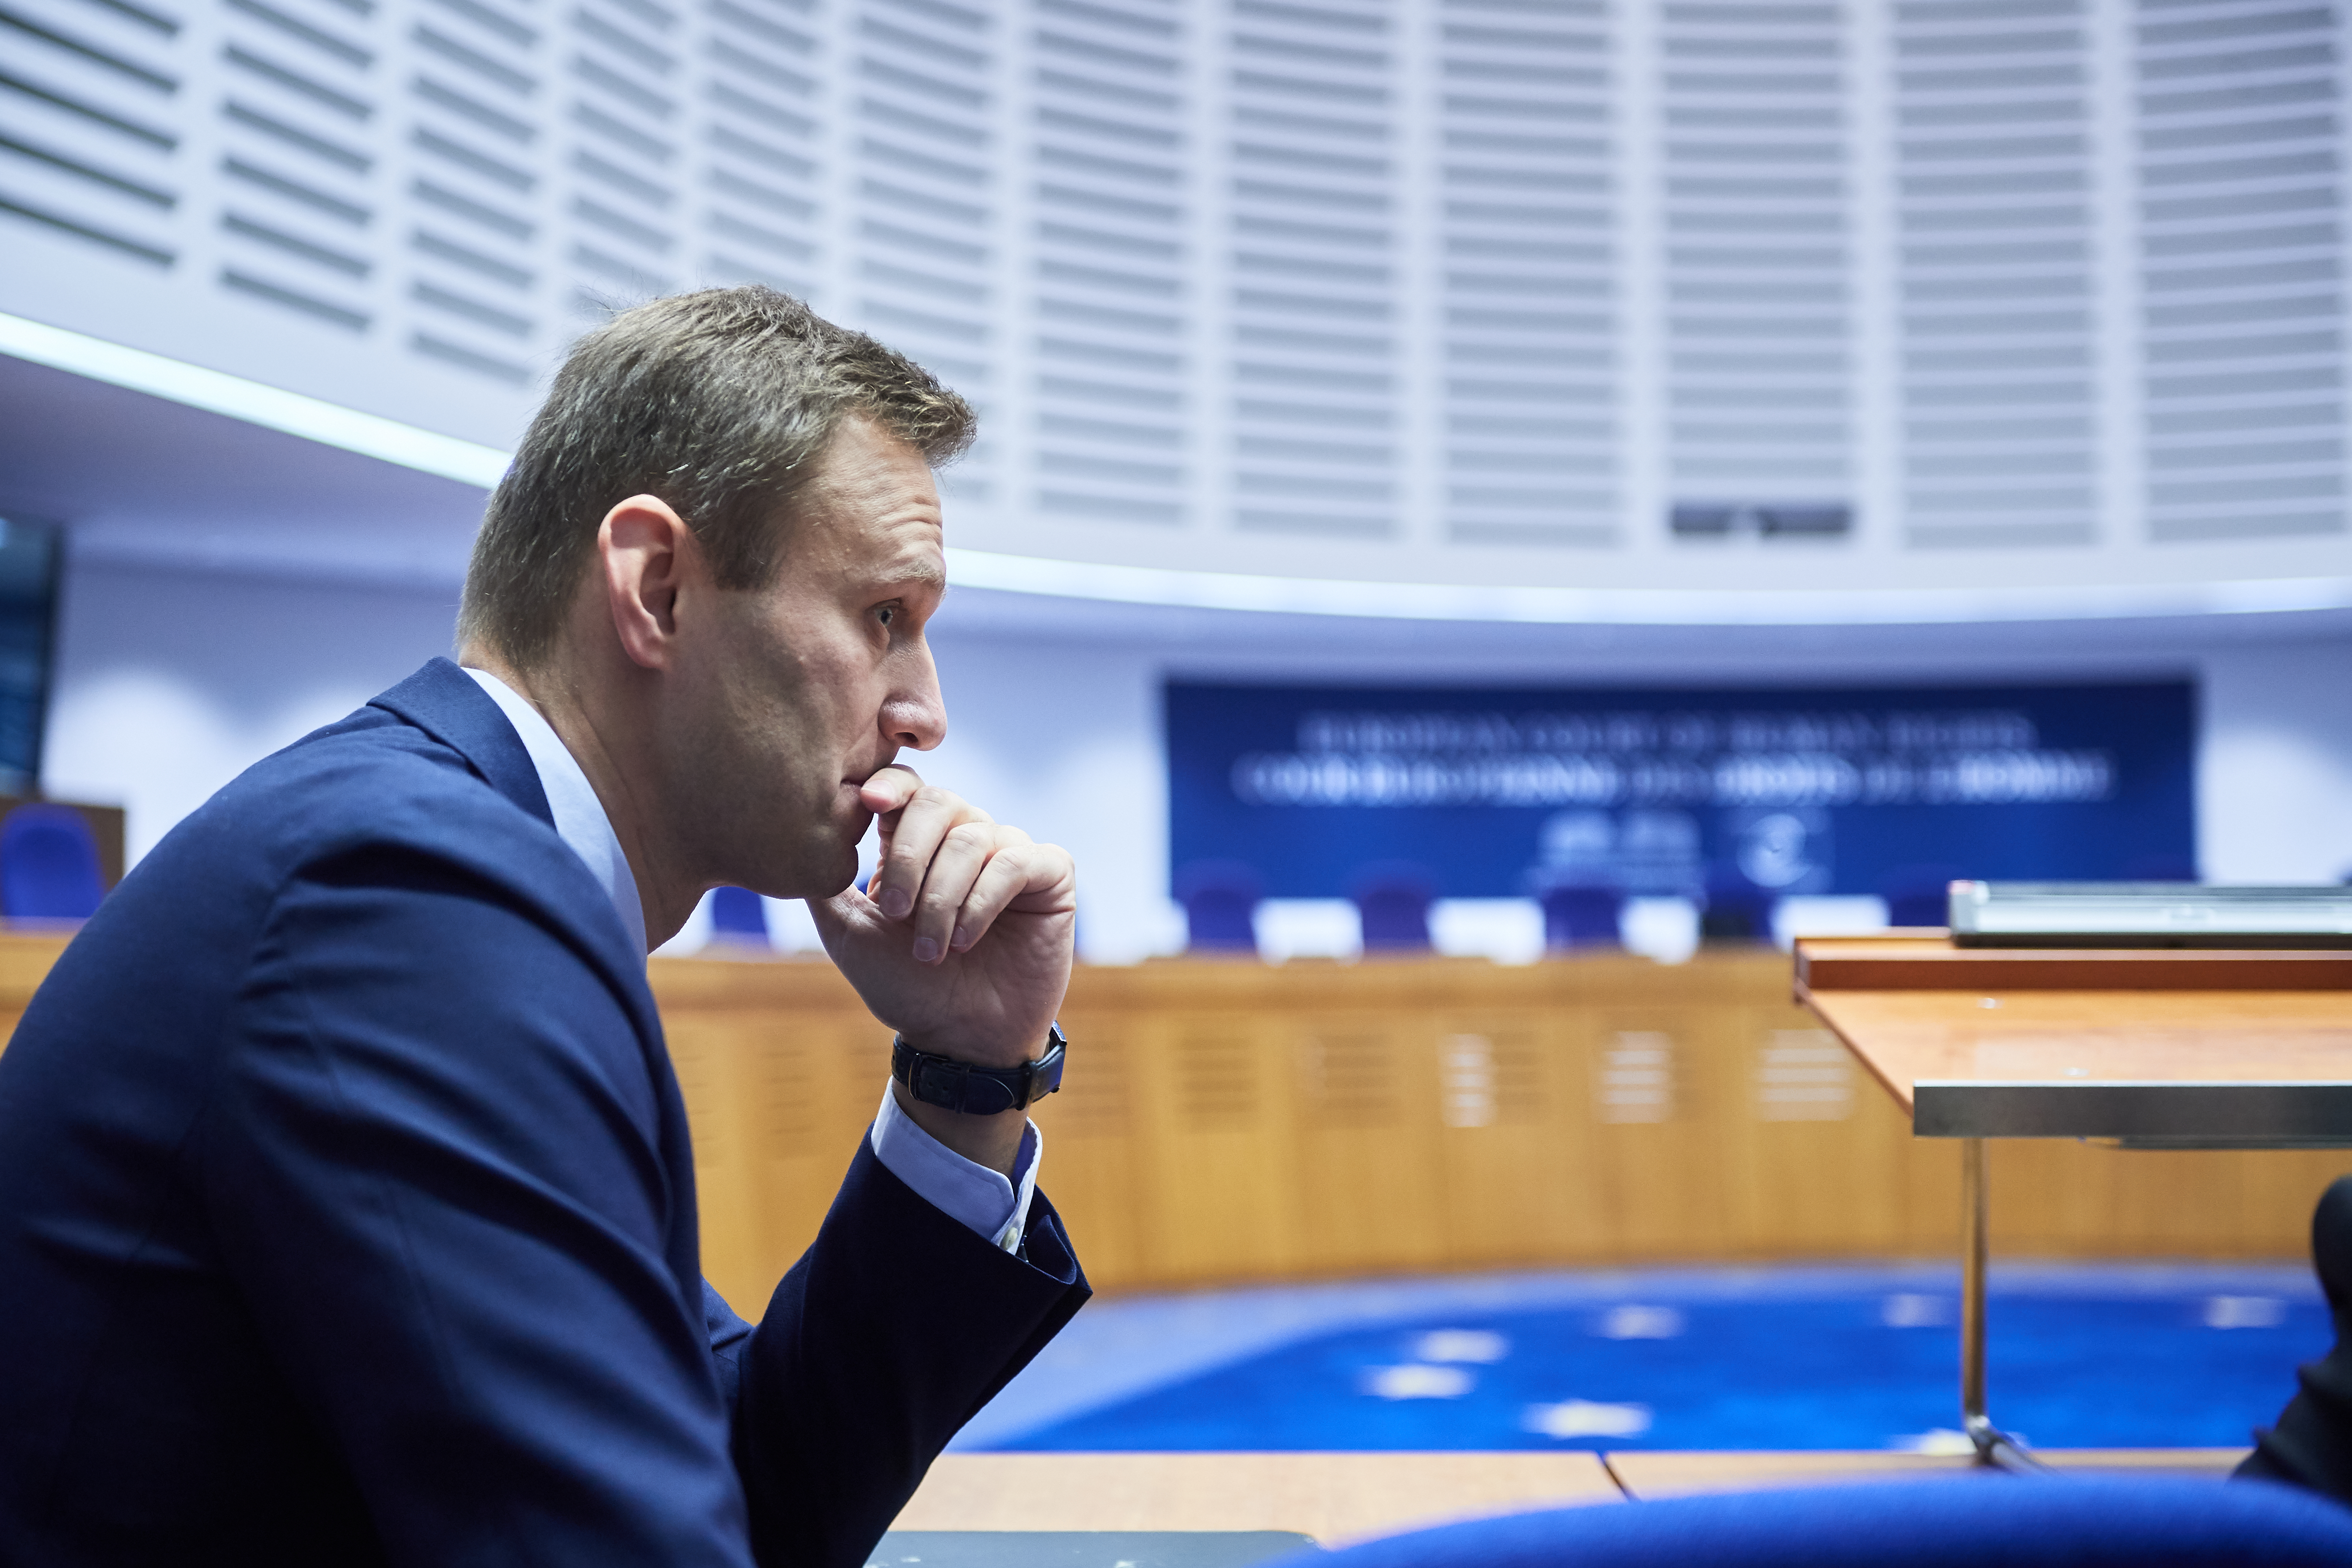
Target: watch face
[{"x": 1045, "y": 1077}]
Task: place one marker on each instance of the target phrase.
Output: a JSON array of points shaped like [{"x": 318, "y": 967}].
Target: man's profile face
[{"x": 808, "y": 686}]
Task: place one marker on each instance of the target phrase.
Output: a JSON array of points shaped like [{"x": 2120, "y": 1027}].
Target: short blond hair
[{"x": 718, "y": 402}]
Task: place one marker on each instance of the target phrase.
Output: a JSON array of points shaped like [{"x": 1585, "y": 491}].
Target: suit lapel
[{"x": 443, "y": 700}]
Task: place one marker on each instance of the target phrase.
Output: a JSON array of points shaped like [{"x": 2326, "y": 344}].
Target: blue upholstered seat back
[
  {"x": 1979, "y": 1521},
  {"x": 48, "y": 864},
  {"x": 738, "y": 913}
]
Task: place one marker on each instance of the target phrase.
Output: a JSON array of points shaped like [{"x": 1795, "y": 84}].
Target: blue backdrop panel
[{"x": 1505, "y": 792}]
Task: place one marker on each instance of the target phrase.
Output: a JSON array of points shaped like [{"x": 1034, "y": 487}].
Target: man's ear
[{"x": 646, "y": 555}]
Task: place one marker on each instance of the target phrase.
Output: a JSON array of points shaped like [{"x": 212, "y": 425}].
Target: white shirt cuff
[{"x": 984, "y": 1200}]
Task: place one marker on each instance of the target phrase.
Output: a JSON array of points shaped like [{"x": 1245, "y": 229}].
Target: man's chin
[
  {"x": 840, "y": 875},
  {"x": 820, "y": 870}
]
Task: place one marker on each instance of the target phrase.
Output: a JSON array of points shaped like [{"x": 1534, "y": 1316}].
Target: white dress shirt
[{"x": 984, "y": 1200}]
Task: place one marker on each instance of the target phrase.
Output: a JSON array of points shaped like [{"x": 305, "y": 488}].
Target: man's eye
[{"x": 887, "y": 614}]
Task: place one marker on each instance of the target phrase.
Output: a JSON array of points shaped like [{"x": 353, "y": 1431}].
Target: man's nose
[{"x": 915, "y": 715}]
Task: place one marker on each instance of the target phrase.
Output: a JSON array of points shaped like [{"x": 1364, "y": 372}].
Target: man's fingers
[
  {"x": 1014, "y": 870},
  {"x": 911, "y": 840},
  {"x": 885, "y": 794},
  {"x": 890, "y": 788},
  {"x": 962, "y": 856},
  {"x": 946, "y": 865}
]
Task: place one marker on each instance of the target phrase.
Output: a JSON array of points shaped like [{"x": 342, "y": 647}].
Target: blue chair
[
  {"x": 1580, "y": 916},
  {"x": 1960, "y": 1521},
  {"x": 1393, "y": 899},
  {"x": 736, "y": 915},
  {"x": 48, "y": 864},
  {"x": 1219, "y": 899}
]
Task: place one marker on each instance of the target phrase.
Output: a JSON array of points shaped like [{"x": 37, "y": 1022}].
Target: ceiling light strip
[
  {"x": 467, "y": 462},
  {"x": 1632, "y": 606},
  {"x": 217, "y": 392}
]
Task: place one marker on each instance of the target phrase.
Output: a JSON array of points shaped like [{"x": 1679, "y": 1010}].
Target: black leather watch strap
[{"x": 978, "y": 1090}]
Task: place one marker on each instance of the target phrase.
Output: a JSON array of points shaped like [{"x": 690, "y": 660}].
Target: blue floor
[{"x": 2089, "y": 1357}]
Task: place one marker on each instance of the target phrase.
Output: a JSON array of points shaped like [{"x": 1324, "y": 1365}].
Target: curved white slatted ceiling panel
[{"x": 1538, "y": 309}]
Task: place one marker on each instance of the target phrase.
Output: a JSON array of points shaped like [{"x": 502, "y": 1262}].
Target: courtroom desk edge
[
  {"x": 1658, "y": 1474},
  {"x": 1343, "y": 1497},
  {"x": 2181, "y": 1115},
  {"x": 1898, "y": 1089},
  {"x": 1333, "y": 1497},
  {"x": 1925, "y": 959}
]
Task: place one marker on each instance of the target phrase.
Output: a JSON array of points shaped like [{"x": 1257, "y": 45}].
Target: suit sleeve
[
  {"x": 446, "y": 1168},
  {"x": 891, "y": 1331}
]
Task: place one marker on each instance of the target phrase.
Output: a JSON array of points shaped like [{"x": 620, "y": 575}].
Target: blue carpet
[{"x": 2115, "y": 1356}]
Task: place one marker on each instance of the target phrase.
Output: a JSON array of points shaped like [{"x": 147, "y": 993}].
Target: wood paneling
[
  {"x": 25, "y": 960},
  {"x": 1226, "y": 1121}
]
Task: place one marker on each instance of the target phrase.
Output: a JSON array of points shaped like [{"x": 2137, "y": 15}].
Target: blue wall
[{"x": 1498, "y": 793}]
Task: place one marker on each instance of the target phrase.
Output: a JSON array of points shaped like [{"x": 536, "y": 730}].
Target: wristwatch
[{"x": 978, "y": 1090}]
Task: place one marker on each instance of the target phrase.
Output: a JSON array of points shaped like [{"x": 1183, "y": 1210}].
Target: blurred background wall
[
  {"x": 169, "y": 680},
  {"x": 1557, "y": 344}
]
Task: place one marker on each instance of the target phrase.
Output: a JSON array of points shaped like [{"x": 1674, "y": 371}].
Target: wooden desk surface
[
  {"x": 1337, "y": 1498},
  {"x": 1331, "y": 1497},
  {"x": 1914, "y": 1008}
]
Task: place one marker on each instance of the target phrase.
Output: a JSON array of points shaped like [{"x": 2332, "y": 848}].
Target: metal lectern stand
[
  {"x": 2147, "y": 1048},
  {"x": 1994, "y": 1446}
]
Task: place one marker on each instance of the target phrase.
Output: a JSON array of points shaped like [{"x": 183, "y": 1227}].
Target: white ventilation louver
[
  {"x": 1999, "y": 333},
  {"x": 1529, "y": 210},
  {"x": 1955, "y": 299},
  {"x": 2240, "y": 196}
]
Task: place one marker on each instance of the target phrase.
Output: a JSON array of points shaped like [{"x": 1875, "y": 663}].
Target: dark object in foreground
[
  {"x": 2312, "y": 1444},
  {"x": 353, "y": 1222}
]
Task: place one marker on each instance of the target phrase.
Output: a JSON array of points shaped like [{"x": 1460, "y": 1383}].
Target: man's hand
[{"x": 961, "y": 941}]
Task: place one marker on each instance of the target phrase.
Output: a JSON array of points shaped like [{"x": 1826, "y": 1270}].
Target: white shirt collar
[{"x": 580, "y": 819}]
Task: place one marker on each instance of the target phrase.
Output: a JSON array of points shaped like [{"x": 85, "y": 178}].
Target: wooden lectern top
[{"x": 2241, "y": 1048}]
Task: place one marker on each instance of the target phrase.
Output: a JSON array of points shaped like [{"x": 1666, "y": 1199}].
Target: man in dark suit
[
  {"x": 2312, "y": 1444},
  {"x": 347, "y": 1209}
]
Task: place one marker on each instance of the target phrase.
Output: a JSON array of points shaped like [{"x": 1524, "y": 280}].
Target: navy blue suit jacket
[{"x": 347, "y": 1215}]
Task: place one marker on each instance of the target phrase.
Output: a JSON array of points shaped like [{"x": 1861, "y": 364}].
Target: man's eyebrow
[{"x": 928, "y": 571}]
